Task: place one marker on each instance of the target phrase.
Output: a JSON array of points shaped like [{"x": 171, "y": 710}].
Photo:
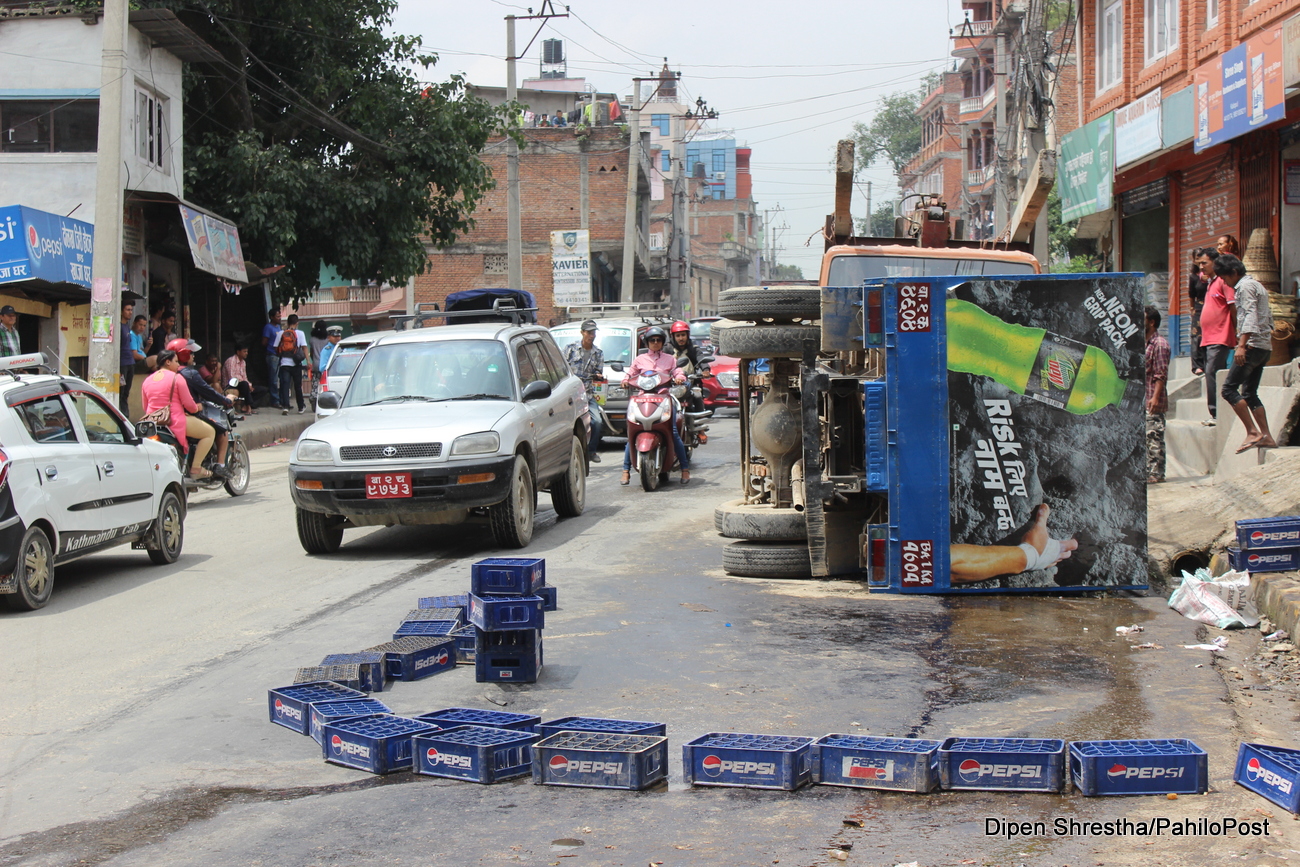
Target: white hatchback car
[
  {"x": 441, "y": 424},
  {"x": 75, "y": 478},
  {"x": 342, "y": 363}
]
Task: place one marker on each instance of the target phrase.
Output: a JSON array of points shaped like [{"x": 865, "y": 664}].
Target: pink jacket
[
  {"x": 664, "y": 361},
  {"x": 161, "y": 386}
]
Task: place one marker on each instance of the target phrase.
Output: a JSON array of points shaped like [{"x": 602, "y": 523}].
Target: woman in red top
[{"x": 166, "y": 387}]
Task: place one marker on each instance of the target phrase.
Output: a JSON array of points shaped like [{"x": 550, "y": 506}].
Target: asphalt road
[{"x": 133, "y": 726}]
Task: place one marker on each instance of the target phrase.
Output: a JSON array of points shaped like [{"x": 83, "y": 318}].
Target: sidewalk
[{"x": 269, "y": 425}]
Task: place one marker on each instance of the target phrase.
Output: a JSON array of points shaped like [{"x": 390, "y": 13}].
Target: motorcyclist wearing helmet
[
  {"x": 687, "y": 352},
  {"x": 201, "y": 391},
  {"x": 655, "y": 358}
]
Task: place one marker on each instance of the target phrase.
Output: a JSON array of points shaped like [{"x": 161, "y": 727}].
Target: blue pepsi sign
[{"x": 35, "y": 245}]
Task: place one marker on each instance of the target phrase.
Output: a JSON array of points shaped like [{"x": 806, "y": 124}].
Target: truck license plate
[{"x": 385, "y": 486}]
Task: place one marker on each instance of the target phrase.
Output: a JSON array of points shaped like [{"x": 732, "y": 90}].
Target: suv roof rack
[
  {"x": 503, "y": 309},
  {"x": 15, "y": 364},
  {"x": 646, "y": 311}
]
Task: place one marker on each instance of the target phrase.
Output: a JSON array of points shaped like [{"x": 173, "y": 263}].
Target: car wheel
[
  {"x": 767, "y": 341},
  {"x": 650, "y": 468},
  {"x": 759, "y": 522},
  {"x": 512, "y": 518},
  {"x": 33, "y": 573},
  {"x": 168, "y": 531},
  {"x": 766, "y": 560},
  {"x": 784, "y": 304},
  {"x": 239, "y": 469},
  {"x": 318, "y": 533},
  {"x": 569, "y": 492}
]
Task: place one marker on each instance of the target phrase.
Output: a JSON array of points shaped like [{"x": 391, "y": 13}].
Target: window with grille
[{"x": 1110, "y": 44}]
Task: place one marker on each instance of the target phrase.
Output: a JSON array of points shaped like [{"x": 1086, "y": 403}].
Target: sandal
[
  {"x": 627, "y": 478},
  {"x": 686, "y": 477},
  {"x": 199, "y": 474}
]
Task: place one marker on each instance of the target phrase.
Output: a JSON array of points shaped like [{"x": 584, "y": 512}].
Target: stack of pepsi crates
[
  {"x": 507, "y": 603},
  {"x": 1267, "y": 545}
]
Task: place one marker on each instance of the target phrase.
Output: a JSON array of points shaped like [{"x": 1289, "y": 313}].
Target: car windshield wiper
[
  {"x": 401, "y": 397},
  {"x": 479, "y": 396}
]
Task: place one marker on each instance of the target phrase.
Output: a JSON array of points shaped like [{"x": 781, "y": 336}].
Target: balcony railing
[
  {"x": 979, "y": 103},
  {"x": 979, "y": 177},
  {"x": 972, "y": 28}
]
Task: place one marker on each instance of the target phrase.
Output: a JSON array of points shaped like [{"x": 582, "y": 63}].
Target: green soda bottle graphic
[{"x": 1047, "y": 367}]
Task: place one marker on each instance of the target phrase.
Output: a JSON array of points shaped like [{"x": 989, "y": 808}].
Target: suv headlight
[
  {"x": 485, "y": 442},
  {"x": 313, "y": 452}
]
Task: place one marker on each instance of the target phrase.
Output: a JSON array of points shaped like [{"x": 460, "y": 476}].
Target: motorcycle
[
  {"x": 238, "y": 469},
  {"x": 650, "y": 409}
]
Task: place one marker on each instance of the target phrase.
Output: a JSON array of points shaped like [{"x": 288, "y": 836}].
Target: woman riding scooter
[{"x": 655, "y": 358}]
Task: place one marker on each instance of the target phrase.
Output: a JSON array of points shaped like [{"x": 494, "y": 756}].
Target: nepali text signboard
[
  {"x": 214, "y": 245},
  {"x": 1137, "y": 129},
  {"x": 35, "y": 245},
  {"x": 571, "y": 267},
  {"x": 1087, "y": 169},
  {"x": 1239, "y": 90}
]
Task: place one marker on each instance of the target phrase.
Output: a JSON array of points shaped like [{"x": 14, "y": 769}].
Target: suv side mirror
[
  {"x": 327, "y": 400},
  {"x": 536, "y": 390}
]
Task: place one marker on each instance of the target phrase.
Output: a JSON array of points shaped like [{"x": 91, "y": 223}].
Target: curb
[
  {"x": 258, "y": 434},
  {"x": 1278, "y": 599}
]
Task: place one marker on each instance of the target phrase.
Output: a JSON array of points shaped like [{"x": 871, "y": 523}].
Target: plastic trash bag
[{"x": 1226, "y": 602}]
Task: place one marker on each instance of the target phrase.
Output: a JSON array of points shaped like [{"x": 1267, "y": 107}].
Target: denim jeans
[
  {"x": 596, "y": 427},
  {"x": 273, "y": 379}
]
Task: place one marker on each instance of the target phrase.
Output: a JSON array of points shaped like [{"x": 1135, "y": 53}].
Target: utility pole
[
  {"x": 630, "y": 227},
  {"x": 769, "y": 251},
  {"x": 871, "y": 218},
  {"x": 677, "y": 247},
  {"x": 514, "y": 231},
  {"x": 106, "y": 267}
]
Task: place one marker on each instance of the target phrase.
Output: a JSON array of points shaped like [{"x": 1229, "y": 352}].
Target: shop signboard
[
  {"x": 1240, "y": 90},
  {"x": 1137, "y": 129},
  {"x": 214, "y": 245},
  {"x": 1018, "y": 463},
  {"x": 1087, "y": 169},
  {"x": 35, "y": 245},
  {"x": 1291, "y": 51},
  {"x": 571, "y": 267}
]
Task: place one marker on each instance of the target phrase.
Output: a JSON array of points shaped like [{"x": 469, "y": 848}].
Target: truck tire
[
  {"x": 759, "y": 523},
  {"x": 779, "y": 304},
  {"x": 766, "y": 341},
  {"x": 766, "y": 560}
]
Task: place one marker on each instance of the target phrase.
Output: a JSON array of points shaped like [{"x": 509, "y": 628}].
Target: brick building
[
  {"x": 567, "y": 181},
  {"x": 1192, "y": 93},
  {"x": 938, "y": 168}
]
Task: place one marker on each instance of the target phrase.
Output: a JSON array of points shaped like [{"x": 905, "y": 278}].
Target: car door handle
[
  {"x": 550, "y": 411},
  {"x": 108, "y": 468},
  {"x": 51, "y": 472}
]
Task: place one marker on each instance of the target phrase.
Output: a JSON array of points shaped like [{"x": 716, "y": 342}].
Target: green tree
[
  {"x": 882, "y": 222},
  {"x": 894, "y": 133},
  {"x": 315, "y": 136},
  {"x": 1067, "y": 253},
  {"x": 786, "y": 272}
]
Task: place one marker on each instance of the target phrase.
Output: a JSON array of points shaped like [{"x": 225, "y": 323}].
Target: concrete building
[{"x": 938, "y": 169}]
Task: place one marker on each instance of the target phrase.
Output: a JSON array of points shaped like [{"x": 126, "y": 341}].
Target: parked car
[
  {"x": 722, "y": 383},
  {"x": 76, "y": 477},
  {"x": 442, "y": 424},
  {"x": 700, "y": 330},
  {"x": 342, "y": 362},
  {"x": 620, "y": 339}
]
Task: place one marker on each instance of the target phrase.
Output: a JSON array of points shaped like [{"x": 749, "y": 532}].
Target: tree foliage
[
  {"x": 882, "y": 222},
  {"x": 786, "y": 272},
  {"x": 894, "y": 133},
  {"x": 315, "y": 136}
]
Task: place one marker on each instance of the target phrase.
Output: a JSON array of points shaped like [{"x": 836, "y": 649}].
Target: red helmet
[
  {"x": 181, "y": 347},
  {"x": 678, "y": 327}
]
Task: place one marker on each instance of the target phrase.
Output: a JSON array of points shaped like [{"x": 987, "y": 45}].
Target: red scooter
[{"x": 649, "y": 414}]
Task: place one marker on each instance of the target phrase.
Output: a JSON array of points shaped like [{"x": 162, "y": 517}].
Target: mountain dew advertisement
[{"x": 1046, "y": 433}]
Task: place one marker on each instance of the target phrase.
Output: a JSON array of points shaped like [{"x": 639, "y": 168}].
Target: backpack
[{"x": 288, "y": 345}]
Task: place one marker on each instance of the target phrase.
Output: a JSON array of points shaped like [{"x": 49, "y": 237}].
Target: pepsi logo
[
  {"x": 336, "y": 744},
  {"x": 969, "y": 770},
  {"x": 1117, "y": 771},
  {"x": 34, "y": 241},
  {"x": 284, "y": 710},
  {"x": 712, "y": 765},
  {"x": 432, "y": 756},
  {"x": 1257, "y": 536},
  {"x": 559, "y": 764}
]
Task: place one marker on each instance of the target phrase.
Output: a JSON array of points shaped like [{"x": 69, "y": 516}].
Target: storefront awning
[{"x": 45, "y": 252}]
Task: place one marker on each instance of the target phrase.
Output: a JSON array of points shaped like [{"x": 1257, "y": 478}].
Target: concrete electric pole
[
  {"x": 630, "y": 227},
  {"x": 106, "y": 268}
]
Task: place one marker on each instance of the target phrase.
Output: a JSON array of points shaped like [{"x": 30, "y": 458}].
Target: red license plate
[
  {"x": 733, "y": 392},
  {"x": 386, "y": 486}
]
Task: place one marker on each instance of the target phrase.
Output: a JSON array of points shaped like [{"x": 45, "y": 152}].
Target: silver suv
[{"x": 442, "y": 424}]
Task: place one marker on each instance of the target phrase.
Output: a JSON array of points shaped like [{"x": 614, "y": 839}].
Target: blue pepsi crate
[
  {"x": 372, "y": 668},
  {"x": 322, "y": 713},
  {"x": 1268, "y": 533},
  {"x": 288, "y": 704},
  {"x": 344, "y": 675},
  {"x": 1139, "y": 767},
  {"x": 416, "y": 657},
  {"x": 601, "y": 725},
  {"x": 476, "y": 753},
  {"x": 457, "y": 604},
  {"x": 503, "y": 613},
  {"x": 379, "y": 744},
  {"x": 465, "y": 637},
  {"x": 507, "y": 657},
  {"x": 750, "y": 761},
  {"x": 507, "y": 576},
  {"x": 550, "y": 601},
  {"x": 1264, "y": 559},
  {"x": 600, "y": 760},
  {"x": 411, "y": 628},
  {"x": 1272, "y": 772},
  {"x": 453, "y": 615},
  {"x": 1012, "y": 764},
  {"x": 900, "y": 764},
  {"x": 468, "y": 716}
]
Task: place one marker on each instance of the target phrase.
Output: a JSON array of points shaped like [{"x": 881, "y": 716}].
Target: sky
[{"x": 789, "y": 80}]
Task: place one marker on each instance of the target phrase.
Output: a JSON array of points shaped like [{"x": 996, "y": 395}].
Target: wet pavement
[{"x": 185, "y": 769}]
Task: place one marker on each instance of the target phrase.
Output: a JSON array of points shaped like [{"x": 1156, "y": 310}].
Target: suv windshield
[
  {"x": 852, "y": 270},
  {"x": 344, "y": 362},
  {"x": 436, "y": 370},
  {"x": 615, "y": 342}
]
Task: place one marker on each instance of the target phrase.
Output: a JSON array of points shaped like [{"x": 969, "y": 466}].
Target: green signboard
[{"x": 1087, "y": 171}]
